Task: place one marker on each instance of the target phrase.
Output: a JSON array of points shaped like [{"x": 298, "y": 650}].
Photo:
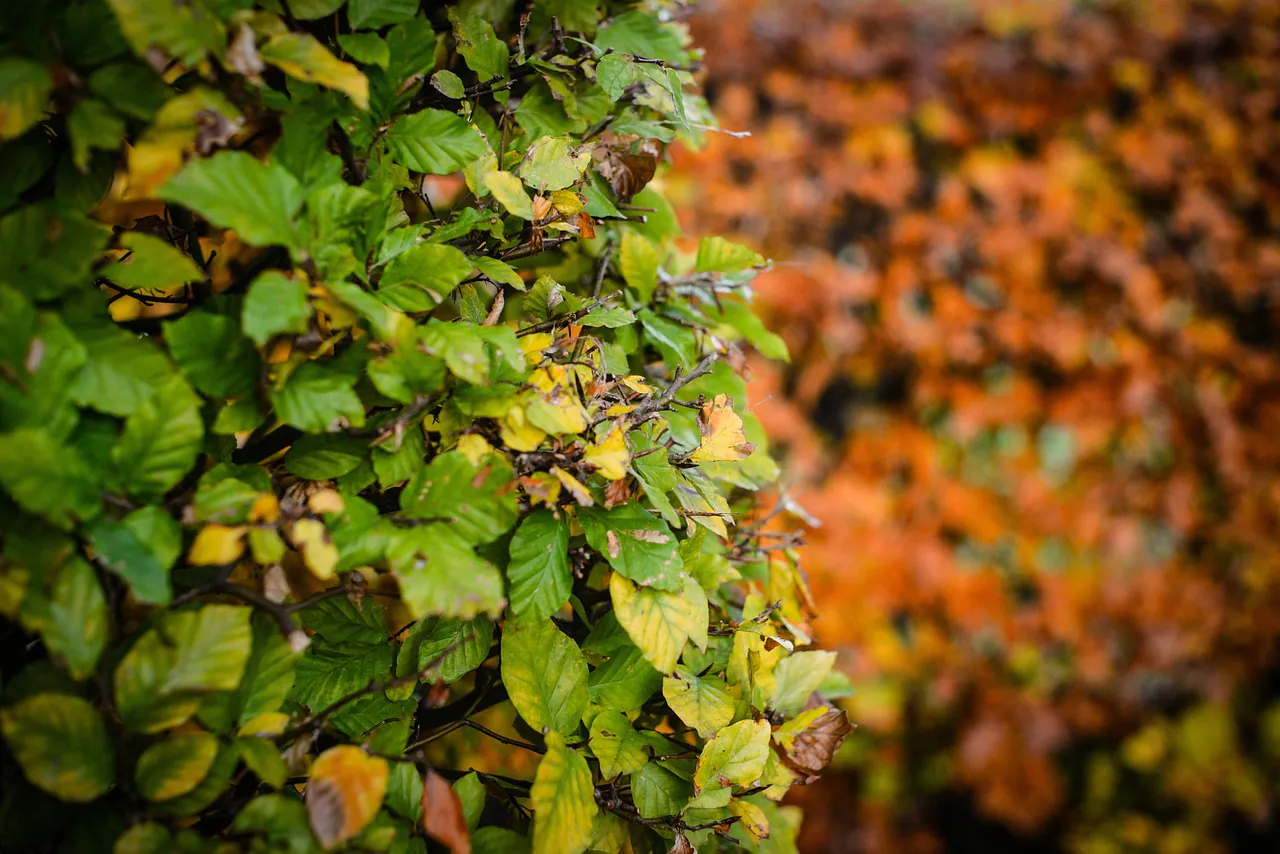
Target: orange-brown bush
[{"x": 1029, "y": 269}]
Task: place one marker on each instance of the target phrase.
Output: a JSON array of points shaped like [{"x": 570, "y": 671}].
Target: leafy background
[
  {"x": 357, "y": 390},
  {"x": 1028, "y": 274}
]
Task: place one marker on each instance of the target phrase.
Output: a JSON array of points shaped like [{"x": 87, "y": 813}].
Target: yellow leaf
[
  {"x": 474, "y": 447},
  {"x": 575, "y": 487},
  {"x": 723, "y": 439},
  {"x": 326, "y": 501},
  {"x": 558, "y": 414},
  {"x": 300, "y": 55},
  {"x": 510, "y": 193},
  {"x": 753, "y": 819},
  {"x": 636, "y": 383},
  {"x": 619, "y": 409},
  {"x": 517, "y": 433},
  {"x": 217, "y": 545},
  {"x": 609, "y": 455},
  {"x": 564, "y": 805},
  {"x": 344, "y": 793},
  {"x": 266, "y": 508},
  {"x": 266, "y": 724},
  {"x": 533, "y": 345},
  {"x": 318, "y": 551}
]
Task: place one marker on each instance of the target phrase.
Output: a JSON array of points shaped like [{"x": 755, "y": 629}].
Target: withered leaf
[
  {"x": 442, "y": 816},
  {"x": 813, "y": 748}
]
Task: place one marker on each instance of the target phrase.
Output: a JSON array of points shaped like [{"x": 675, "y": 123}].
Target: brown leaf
[
  {"x": 812, "y": 749},
  {"x": 682, "y": 845},
  {"x": 617, "y": 492},
  {"x": 442, "y": 817},
  {"x": 628, "y": 173}
]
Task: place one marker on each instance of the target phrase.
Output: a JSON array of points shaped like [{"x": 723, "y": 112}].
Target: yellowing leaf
[
  {"x": 609, "y": 455},
  {"x": 723, "y": 438},
  {"x": 559, "y": 414},
  {"x": 300, "y": 55},
  {"x": 510, "y": 193},
  {"x": 619, "y": 409},
  {"x": 542, "y": 488},
  {"x": 658, "y": 622},
  {"x": 266, "y": 724},
  {"x": 564, "y": 806},
  {"x": 175, "y": 766},
  {"x": 753, "y": 819},
  {"x": 217, "y": 545},
  {"x": 474, "y": 447},
  {"x": 576, "y": 489},
  {"x": 344, "y": 793},
  {"x": 318, "y": 551},
  {"x": 734, "y": 756},
  {"x": 567, "y": 202},
  {"x": 158, "y": 153},
  {"x": 534, "y": 344}
]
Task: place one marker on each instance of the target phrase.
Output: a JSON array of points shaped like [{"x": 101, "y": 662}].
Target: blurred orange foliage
[{"x": 1029, "y": 271}]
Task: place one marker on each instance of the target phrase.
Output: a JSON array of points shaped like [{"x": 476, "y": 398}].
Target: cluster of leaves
[
  {"x": 1033, "y": 399},
  {"x": 353, "y": 383}
]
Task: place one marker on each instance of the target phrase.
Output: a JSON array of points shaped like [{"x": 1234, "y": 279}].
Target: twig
[
  {"x": 679, "y": 381},
  {"x": 569, "y": 318}
]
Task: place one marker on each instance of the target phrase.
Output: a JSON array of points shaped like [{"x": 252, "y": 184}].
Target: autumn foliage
[{"x": 1028, "y": 274}]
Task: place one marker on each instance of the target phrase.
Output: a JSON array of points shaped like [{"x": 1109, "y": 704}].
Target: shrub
[{"x": 352, "y": 382}]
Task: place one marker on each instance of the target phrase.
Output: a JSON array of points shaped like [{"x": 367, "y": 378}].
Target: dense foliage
[
  {"x": 1028, "y": 269},
  {"x": 353, "y": 383}
]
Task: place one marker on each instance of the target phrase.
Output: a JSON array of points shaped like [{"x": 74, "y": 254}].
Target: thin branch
[
  {"x": 679, "y": 381},
  {"x": 568, "y": 319}
]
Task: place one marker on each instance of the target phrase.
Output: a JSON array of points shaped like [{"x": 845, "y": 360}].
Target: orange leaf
[{"x": 442, "y": 817}]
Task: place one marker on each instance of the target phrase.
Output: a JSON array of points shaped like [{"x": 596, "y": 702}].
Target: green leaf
[
  {"x": 797, "y": 676},
  {"x": 375, "y": 14},
  {"x": 233, "y": 190},
  {"x": 659, "y": 792},
  {"x": 151, "y": 264},
  {"x": 444, "y": 649},
  {"x": 734, "y": 756},
  {"x": 545, "y": 674},
  {"x": 145, "y": 838},
  {"x": 313, "y": 10},
  {"x": 676, "y": 343},
  {"x": 130, "y": 87},
  {"x": 175, "y": 766},
  {"x": 316, "y": 398},
  {"x": 640, "y": 34},
  {"x": 539, "y": 572},
  {"x": 326, "y": 456},
  {"x": 618, "y": 747},
  {"x": 638, "y": 262},
  {"x": 24, "y": 91},
  {"x": 624, "y": 682},
  {"x": 483, "y": 52},
  {"x": 615, "y": 73},
  {"x": 140, "y": 548},
  {"x": 160, "y": 441},
  {"x": 449, "y": 84},
  {"x": 262, "y": 757},
  {"x": 441, "y": 575},
  {"x": 434, "y": 141},
  {"x": 122, "y": 370},
  {"x": 510, "y": 193},
  {"x": 75, "y": 627},
  {"x": 275, "y": 305},
  {"x": 159, "y": 681},
  {"x": 608, "y": 318},
  {"x": 48, "y": 251},
  {"x": 479, "y": 501},
  {"x": 93, "y": 125},
  {"x": 420, "y": 278},
  {"x": 635, "y": 543},
  {"x": 329, "y": 672},
  {"x": 471, "y": 793},
  {"x": 739, "y": 316},
  {"x": 475, "y": 353},
  {"x": 300, "y": 55},
  {"x": 214, "y": 355},
  {"x": 554, "y": 163},
  {"x": 658, "y": 622},
  {"x": 61, "y": 744},
  {"x": 269, "y": 673},
  {"x": 717, "y": 255},
  {"x": 702, "y": 702},
  {"x": 368, "y": 48},
  {"x": 499, "y": 272},
  {"x": 47, "y": 478},
  {"x": 564, "y": 805}
]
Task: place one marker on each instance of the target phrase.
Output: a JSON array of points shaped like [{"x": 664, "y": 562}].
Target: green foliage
[{"x": 353, "y": 382}]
